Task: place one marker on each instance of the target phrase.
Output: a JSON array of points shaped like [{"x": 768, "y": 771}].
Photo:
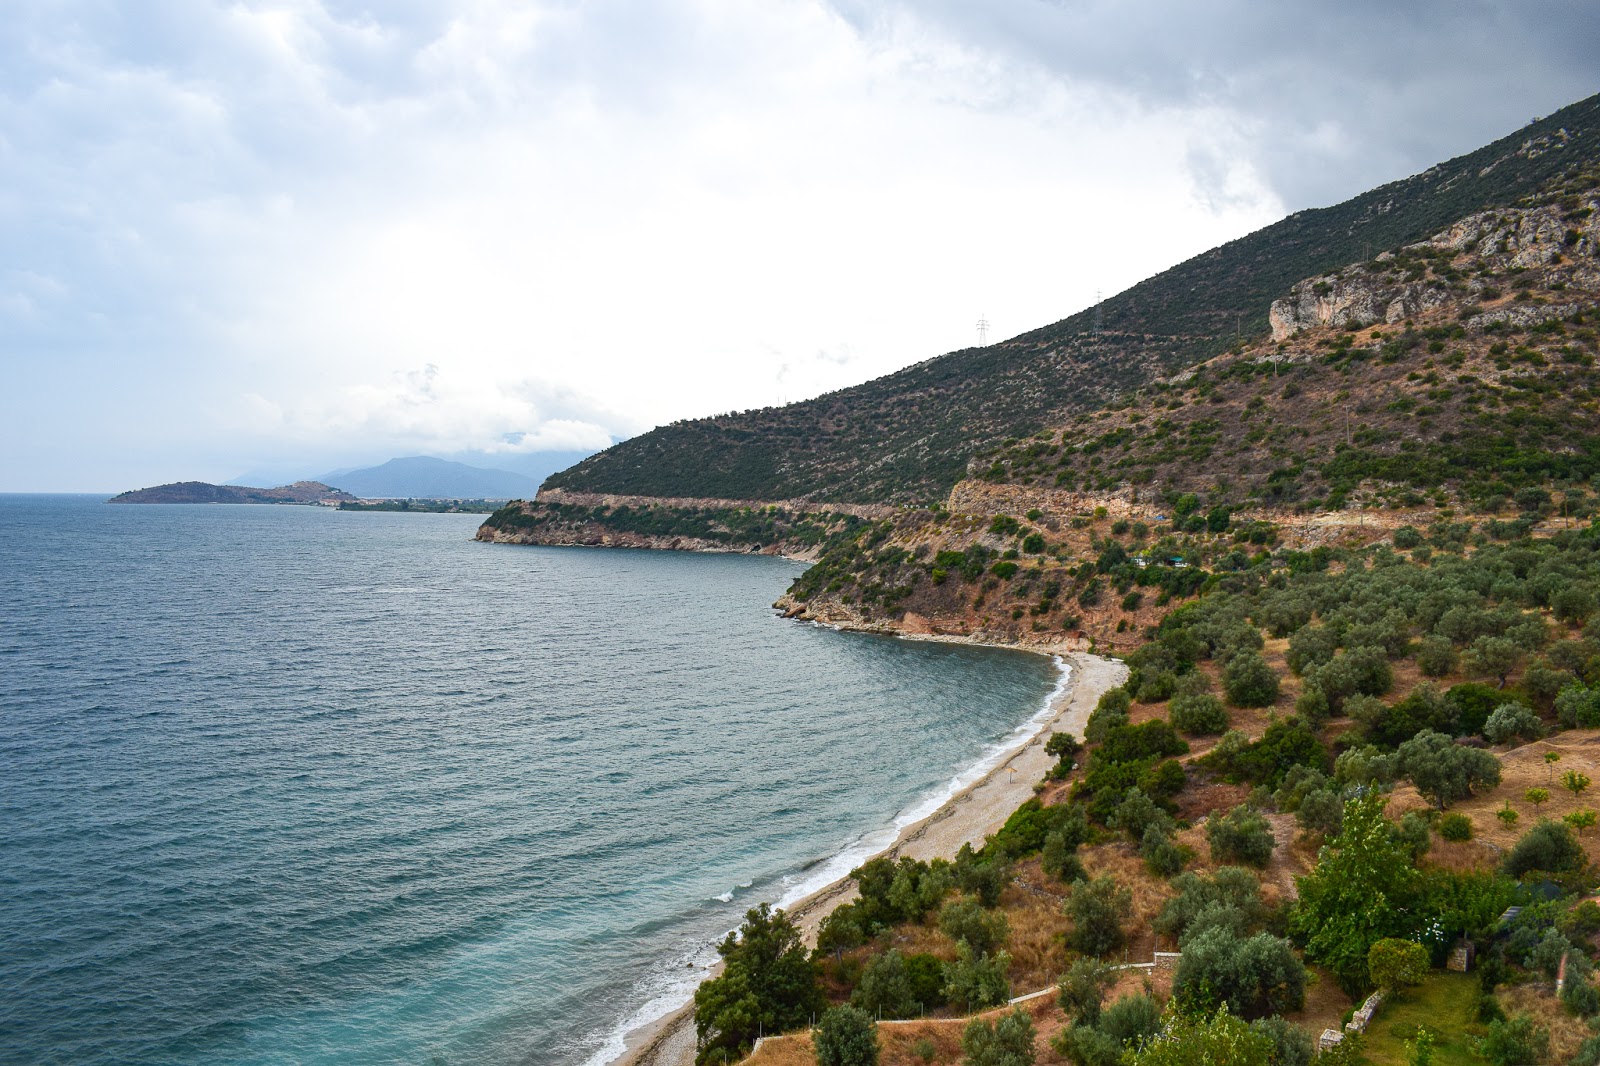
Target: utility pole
[{"x": 1097, "y": 312}]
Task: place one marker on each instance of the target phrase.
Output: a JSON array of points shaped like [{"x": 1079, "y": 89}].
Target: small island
[{"x": 301, "y": 492}]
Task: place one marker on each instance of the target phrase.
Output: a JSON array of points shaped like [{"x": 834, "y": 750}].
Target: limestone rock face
[{"x": 1501, "y": 241}]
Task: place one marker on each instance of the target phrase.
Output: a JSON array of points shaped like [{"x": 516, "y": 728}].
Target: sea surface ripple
[{"x": 290, "y": 785}]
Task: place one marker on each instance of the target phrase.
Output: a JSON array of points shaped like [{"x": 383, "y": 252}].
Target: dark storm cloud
[{"x": 1328, "y": 99}]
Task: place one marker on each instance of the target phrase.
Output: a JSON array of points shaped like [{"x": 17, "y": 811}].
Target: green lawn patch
[{"x": 1447, "y": 1004}]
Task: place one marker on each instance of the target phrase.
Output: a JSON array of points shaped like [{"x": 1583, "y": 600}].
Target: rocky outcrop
[
  {"x": 985, "y": 498},
  {"x": 1506, "y": 242},
  {"x": 1358, "y": 301}
]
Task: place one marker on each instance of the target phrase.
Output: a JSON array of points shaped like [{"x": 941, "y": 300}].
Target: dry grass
[
  {"x": 1150, "y": 893},
  {"x": 1038, "y": 929},
  {"x": 1538, "y": 999},
  {"x": 1521, "y": 768}
]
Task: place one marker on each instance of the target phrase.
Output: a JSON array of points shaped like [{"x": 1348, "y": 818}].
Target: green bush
[
  {"x": 1230, "y": 898},
  {"x": 1009, "y": 1041},
  {"x": 884, "y": 990},
  {"x": 1254, "y": 976},
  {"x": 1455, "y": 827},
  {"x": 1098, "y": 910},
  {"x": 1241, "y": 835},
  {"x": 1548, "y": 847},
  {"x": 1249, "y": 681},
  {"x": 1512, "y": 720},
  {"x": 973, "y": 982},
  {"x": 965, "y": 920},
  {"x": 1516, "y": 1041},
  {"x": 1198, "y": 715},
  {"x": 846, "y": 1037},
  {"x": 1395, "y": 963},
  {"x": 1445, "y": 771}
]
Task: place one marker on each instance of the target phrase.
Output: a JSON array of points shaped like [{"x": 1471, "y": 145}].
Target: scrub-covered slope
[{"x": 908, "y": 437}]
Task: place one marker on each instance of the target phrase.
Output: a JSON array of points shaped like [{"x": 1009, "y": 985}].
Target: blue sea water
[{"x": 290, "y": 785}]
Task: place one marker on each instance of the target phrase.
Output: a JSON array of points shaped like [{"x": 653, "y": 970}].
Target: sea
[{"x": 293, "y": 785}]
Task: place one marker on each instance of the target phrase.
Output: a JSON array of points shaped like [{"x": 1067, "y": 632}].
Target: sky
[{"x": 307, "y": 234}]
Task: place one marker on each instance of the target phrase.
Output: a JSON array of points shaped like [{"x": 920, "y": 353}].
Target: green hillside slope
[{"x": 908, "y": 437}]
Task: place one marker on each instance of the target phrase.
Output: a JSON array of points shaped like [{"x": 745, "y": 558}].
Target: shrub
[
  {"x": 1006, "y": 1042},
  {"x": 965, "y": 921},
  {"x": 1455, "y": 827},
  {"x": 1365, "y": 671},
  {"x": 1097, "y": 909},
  {"x": 1138, "y": 813},
  {"x": 1253, "y": 976},
  {"x": 1322, "y": 812},
  {"x": 1292, "y": 1045},
  {"x": 1516, "y": 1041},
  {"x": 1548, "y": 847},
  {"x": 1249, "y": 681},
  {"x": 925, "y": 973},
  {"x": 1311, "y": 647},
  {"x": 1131, "y": 1020},
  {"x": 1082, "y": 989},
  {"x": 1162, "y": 855},
  {"x": 1511, "y": 720},
  {"x": 1109, "y": 712},
  {"x": 1436, "y": 656},
  {"x": 846, "y": 1037},
  {"x": 1198, "y": 715},
  {"x": 1241, "y": 835},
  {"x": 1577, "y": 707},
  {"x": 1231, "y": 897},
  {"x": 1445, "y": 771},
  {"x": 974, "y": 982},
  {"x": 1188, "y": 1040},
  {"x": 1396, "y": 963},
  {"x": 884, "y": 990}
]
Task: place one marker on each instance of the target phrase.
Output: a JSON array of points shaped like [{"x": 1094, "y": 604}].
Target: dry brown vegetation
[
  {"x": 1539, "y": 1000},
  {"x": 1521, "y": 768}
]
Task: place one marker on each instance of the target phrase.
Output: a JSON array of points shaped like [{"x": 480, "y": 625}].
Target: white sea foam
[
  {"x": 672, "y": 988},
  {"x": 864, "y": 847}
]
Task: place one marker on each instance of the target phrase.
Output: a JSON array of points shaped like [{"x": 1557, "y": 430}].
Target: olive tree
[{"x": 1445, "y": 771}]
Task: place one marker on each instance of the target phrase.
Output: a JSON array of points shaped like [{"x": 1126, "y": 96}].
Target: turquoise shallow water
[{"x": 287, "y": 785}]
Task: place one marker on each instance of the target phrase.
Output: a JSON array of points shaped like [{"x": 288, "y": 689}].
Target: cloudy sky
[{"x": 295, "y": 235}]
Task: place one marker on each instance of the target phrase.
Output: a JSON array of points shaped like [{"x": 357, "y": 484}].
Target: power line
[{"x": 983, "y": 331}]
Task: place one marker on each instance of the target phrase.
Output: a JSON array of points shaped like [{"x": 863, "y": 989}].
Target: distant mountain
[
  {"x": 423, "y": 477},
  {"x": 204, "y": 492}
]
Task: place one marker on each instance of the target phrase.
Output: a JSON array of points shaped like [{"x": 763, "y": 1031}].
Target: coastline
[{"x": 967, "y": 816}]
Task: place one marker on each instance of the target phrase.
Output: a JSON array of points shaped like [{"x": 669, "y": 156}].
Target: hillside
[
  {"x": 1461, "y": 368},
  {"x": 908, "y": 437},
  {"x": 204, "y": 492}
]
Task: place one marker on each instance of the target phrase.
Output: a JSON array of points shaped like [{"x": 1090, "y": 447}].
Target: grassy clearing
[{"x": 1447, "y": 1005}]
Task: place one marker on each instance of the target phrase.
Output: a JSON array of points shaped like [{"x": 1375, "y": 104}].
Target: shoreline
[{"x": 969, "y": 815}]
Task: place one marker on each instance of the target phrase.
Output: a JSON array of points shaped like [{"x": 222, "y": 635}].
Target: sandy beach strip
[{"x": 969, "y": 816}]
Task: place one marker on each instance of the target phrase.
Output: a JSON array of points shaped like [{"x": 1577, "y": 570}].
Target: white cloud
[{"x": 265, "y": 218}]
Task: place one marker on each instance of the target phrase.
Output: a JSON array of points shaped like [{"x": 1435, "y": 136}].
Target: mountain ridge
[{"x": 906, "y": 438}]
